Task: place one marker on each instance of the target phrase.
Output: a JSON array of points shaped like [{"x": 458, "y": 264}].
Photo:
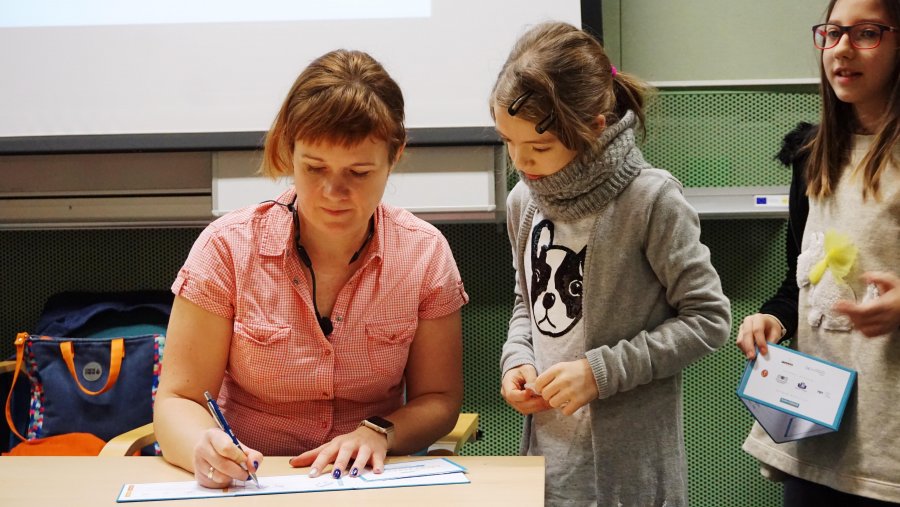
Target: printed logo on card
[
  {"x": 789, "y": 402},
  {"x": 764, "y": 373},
  {"x": 781, "y": 379}
]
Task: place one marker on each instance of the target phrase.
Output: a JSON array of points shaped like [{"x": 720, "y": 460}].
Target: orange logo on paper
[{"x": 764, "y": 373}]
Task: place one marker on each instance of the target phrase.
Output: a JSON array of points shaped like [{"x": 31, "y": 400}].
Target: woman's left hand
[
  {"x": 567, "y": 386},
  {"x": 350, "y": 453}
]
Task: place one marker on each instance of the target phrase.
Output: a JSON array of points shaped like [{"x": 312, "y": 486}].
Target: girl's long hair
[{"x": 829, "y": 150}]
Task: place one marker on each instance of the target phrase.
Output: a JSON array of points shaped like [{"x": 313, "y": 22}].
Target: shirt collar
[
  {"x": 277, "y": 228},
  {"x": 276, "y": 224}
]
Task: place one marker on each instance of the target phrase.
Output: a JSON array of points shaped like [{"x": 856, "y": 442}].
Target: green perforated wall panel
[
  {"x": 721, "y": 138},
  {"x": 749, "y": 256},
  {"x": 724, "y": 139},
  {"x": 37, "y": 264},
  {"x": 706, "y": 139}
]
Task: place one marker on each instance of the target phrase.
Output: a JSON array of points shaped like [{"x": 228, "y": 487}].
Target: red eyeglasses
[{"x": 862, "y": 35}]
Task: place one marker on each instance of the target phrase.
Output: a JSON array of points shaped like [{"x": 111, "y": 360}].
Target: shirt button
[
  {"x": 296, "y": 281},
  {"x": 324, "y": 424},
  {"x": 339, "y": 318},
  {"x": 327, "y": 352}
]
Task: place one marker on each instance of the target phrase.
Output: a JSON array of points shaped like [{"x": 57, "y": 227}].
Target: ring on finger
[{"x": 209, "y": 474}]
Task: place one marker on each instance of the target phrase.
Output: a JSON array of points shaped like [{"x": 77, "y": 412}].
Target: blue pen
[{"x": 220, "y": 420}]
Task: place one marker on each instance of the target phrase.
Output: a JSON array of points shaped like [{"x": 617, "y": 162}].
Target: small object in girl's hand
[
  {"x": 872, "y": 292},
  {"x": 530, "y": 387}
]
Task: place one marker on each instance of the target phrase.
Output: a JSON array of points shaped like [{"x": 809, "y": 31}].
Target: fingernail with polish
[
  {"x": 256, "y": 465},
  {"x": 354, "y": 472},
  {"x": 249, "y": 478},
  {"x": 337, "y": 473}
]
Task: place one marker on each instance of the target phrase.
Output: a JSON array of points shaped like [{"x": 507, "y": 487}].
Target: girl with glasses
[
  {"x": 846, "y": 187},
  {"x": 615, "y": 294}
]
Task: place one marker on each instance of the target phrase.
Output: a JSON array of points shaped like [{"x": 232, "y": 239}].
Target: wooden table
[{"x": 92, "y": 481}]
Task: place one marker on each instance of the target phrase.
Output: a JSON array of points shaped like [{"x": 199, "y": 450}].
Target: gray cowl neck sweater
[{"x": 591, "y": 180}]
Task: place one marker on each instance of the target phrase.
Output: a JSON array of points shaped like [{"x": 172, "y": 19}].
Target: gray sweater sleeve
[
  {"x": 692, "y": 289},
  {"x": 519, "y": 348}
]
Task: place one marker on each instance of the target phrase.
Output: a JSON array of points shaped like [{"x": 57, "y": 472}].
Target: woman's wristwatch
[{"x": 381, "y": 425}]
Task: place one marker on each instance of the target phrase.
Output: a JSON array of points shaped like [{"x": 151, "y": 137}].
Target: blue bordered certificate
[
  {"x": 430, "y": 472},
  {"x": 794, "y": 395}
]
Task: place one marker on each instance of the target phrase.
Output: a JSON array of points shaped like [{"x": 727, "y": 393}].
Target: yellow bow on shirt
[{"x": 840, "y": 254}]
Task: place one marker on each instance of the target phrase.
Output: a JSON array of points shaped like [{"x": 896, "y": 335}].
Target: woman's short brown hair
[{"x": 342, "y": 97}]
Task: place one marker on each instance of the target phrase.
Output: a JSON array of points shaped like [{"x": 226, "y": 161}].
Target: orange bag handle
[
  {"x": 20, "y": 346},
  {"x": 117, "y": 352}
]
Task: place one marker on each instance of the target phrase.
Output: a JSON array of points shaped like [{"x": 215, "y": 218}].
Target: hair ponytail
[
  {"x": 569, "y": 82},
  {"x": 631, "y": 94}
]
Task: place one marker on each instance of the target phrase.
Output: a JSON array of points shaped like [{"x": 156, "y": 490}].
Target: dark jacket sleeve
[{"x": 783, "y": 304}]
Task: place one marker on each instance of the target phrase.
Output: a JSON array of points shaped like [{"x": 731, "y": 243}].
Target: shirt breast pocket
[
  {"x": 387, "y": 345},
  {"x": 259, "y": 354}
]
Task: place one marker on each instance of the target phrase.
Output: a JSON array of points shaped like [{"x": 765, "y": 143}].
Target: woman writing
[{"x": 326, "y": 323}]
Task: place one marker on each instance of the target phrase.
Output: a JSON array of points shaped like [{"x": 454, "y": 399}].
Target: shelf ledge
[{"x": 739, "y": 202}]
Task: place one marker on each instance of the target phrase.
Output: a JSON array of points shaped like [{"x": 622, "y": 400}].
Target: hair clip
[
  {"x": 544, "y": 124},
  {"x": 517, "y": 104}
]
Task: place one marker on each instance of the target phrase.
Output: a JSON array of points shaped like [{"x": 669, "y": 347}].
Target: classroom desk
[{"x": 95, "y": 481}]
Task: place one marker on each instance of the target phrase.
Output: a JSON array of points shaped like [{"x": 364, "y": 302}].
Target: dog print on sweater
[{"x": 557, "y": 288}]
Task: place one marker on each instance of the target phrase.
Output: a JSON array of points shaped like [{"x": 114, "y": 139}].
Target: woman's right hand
[
  {"x": 217, "y": 460},
  {"x": 519, "y": 397},
  {"x": 758, "y": 330}
]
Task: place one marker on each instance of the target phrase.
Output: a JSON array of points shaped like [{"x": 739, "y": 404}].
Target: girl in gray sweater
[{"x": 615, "y": 294}]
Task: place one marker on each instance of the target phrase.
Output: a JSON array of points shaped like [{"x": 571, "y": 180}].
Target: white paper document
[
  {"x": 396, "y": 475},
  {"x": 412, "y": 469},
  {"x": 795, "y": 395}
]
